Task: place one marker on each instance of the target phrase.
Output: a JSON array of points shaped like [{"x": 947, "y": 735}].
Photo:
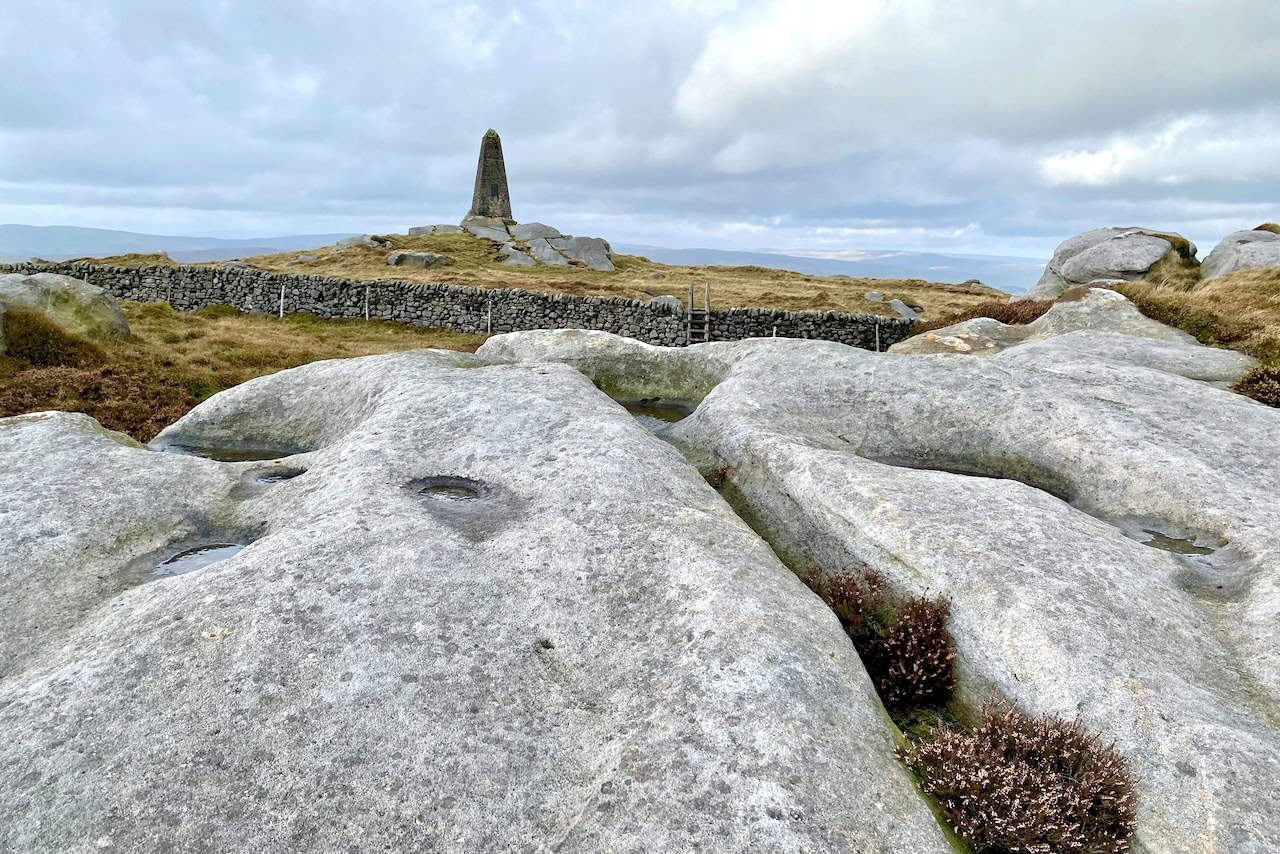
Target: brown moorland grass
[
  {"x": 474, "y": 263},
  {"x": 1240, "y": 310},
  {"x": 1018, "y": 312},
  {"x": 174, "y": 360}
]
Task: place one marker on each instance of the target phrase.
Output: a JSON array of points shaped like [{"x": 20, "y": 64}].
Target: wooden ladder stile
[{"x": 698, "y": 326}]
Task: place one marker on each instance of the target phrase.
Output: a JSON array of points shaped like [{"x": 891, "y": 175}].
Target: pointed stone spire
[{"x": 491, "y": 197}]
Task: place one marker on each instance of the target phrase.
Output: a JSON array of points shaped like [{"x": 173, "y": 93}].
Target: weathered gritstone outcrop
[
  {"x": 1096, "y": 309},
  {"x": 1048, "y": 490},
  {"x": 480, "y": 609},
  {"x": 1109, "y": 254},
  {"x": 1243, "y": 250}
]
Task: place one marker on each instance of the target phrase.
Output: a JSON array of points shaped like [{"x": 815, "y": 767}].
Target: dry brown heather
[
  {"x": 475, "y": 264},
  {"x": 1239, "y": 310},
  {"x": 174, "y": 360}
]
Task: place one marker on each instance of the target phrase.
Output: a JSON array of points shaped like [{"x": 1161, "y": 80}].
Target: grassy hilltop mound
[{"x": 474, "y": 262}]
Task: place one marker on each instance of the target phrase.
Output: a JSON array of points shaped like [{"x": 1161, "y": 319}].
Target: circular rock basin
[
  {"x": 447, "y": 487},
  {"x": 280, "y": 475},
  {"x": 231, "y": 455},
  {"x": 656, "y": 414},
  {"x": 195, "y": 558}
]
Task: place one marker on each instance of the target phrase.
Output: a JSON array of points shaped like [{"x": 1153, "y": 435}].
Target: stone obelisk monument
[{"x": 491, "y": 197}]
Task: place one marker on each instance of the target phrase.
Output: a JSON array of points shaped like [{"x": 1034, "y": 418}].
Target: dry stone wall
[{"x": 466, "y": 309}]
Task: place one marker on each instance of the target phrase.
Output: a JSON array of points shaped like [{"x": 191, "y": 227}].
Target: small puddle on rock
[
  {"x": 448, "y": 488},
  {"x": 192, "y": 559},
  {"x": 230, "y": 455},
  {"x": 1174, "y": 544},
  {"x": 657, "y": 414}
]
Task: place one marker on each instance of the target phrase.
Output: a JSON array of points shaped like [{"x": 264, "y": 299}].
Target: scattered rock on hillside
[
  {"x": 363, "y": 240},
  {"x": 73, "y": 304},
  {"x": 1242, "y": 250},
  {"x": 305, "y": 258},
  {"x": 530, "y": 230},
  {"x": 1098, "y": 309},
  {"x": 513, "y": 255},
  {"x": 593, "y": 251},
  {"x": 1109, "y": 549},
  {"x": 873, "y": 296},
  {"x": 903, "y": 310},
  {"x": 487, "y": 227},
  {"x": 420, "y": 230},
  {"x": 477, "y": 594},
  {"x": 1103, "y": 253},
  {"x": 418, "y": 260},
  {"x": 235, "y": 265},
  {"x": 669, "y": 302}
]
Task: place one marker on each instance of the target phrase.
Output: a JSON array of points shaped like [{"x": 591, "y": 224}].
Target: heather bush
[
  {"x": 1262, "y": 384},
  {"x": 1016, "y": 312},
  {"x": 906, "y": 650},
  {"x": 912, "y": 663},
  {"x": 1023, "y": 785}
]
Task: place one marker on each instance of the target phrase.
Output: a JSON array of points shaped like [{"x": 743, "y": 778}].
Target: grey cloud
[{"x": 753, "y": 124}]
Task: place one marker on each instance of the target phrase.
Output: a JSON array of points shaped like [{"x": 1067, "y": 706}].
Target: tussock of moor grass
[{"x": 174, "y": 360}]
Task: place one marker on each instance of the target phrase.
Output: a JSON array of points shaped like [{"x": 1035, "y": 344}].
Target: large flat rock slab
[
  {"x": 1102, "y": 519},
  {"x": 479, "y": 608},
  {"x": 1096, "y": 309}
]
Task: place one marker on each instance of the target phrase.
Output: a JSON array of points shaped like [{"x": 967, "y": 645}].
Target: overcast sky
[{"x": 995, "y": 127}]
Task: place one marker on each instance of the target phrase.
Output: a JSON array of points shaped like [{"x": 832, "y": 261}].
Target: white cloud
[{"x": 1194, "y": 148}]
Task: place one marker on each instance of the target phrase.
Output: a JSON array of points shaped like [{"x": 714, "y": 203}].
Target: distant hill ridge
[{"x": 62, "y": 242}]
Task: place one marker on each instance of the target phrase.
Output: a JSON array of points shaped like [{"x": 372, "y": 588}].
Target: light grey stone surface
[
  {"x": 363, "y": 240},
  {"x": 903, "y": 309},
  {"x": 418, "y": 260},
  {"x": 515, "y": 256},
  {"x": 1242, "y": 250},
  {"x": 593, "y": 251},
  {"x": 1098, "y": 309},
  {"x": 669, "y": 301},
  {"x": 305, "y": 258},
  {"x": 531, "y": 230},
  {"x": 544, "y": 253},
  {"x": 873, "y": 296},
  {"x": 1208, "y": 364},
  {"x": 73, "y": 304},
  {"x": 1103, "y": 253},
  {"x": 490, "y": 228},
  {"x": 420, "y": 230},
  {"x": 1024, "y": 487},
  {"x": 591, "y": 654}
]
